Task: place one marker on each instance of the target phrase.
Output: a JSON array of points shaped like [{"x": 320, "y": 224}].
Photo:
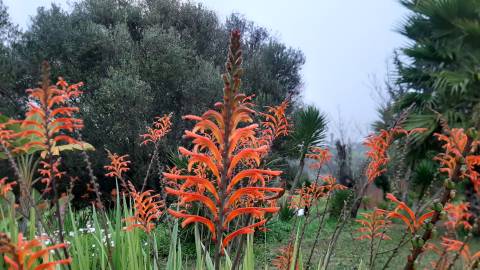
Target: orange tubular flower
[
  {"x": 373, "y": 225},
  {"x": 307, "y": 196},
  {"x": 29, "y": 255},
  {"x": 378, "y": 145},
  {"x": 5, "y": 187},
  {"x": 454, "y": 146},
  {"x": 456, "y": 246},
  {"x": 320, "y": 156},
  {"x": 458, "y": 216},
  {"x": 50, "y": 116},
  {"x": 472, "y": 163},
  {"x": 224, "y": 140},
  {"x": 50, "y": 173},
  {"x": 443, "y": 261},
  {"x": 275, "y": 125},
  {"x": 148, "y": 208},
  {"x": 118, "y": 165},
  {"x": 160, "y": 128},
  {"x": 330, "y": 184},
  {"x": 283, "y": 261},
  {"x": 410, "y": 219},
  {"x": 6, "y": 134}
]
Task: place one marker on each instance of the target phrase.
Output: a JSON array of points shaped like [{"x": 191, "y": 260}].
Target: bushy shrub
[{"x": 338, "y": 201}]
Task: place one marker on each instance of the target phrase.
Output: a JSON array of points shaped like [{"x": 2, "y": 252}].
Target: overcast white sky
[{"x": 344, "y": 41}]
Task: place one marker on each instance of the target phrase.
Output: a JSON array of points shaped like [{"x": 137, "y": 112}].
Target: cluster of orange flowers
[
  {"x": 275, "y": 125},
  {"x": 49, "y": 122},
  {"x": 284, "y": 259},
  {"x": 459, "y": 152},
  {"x": 224, "y": 140},
  {"x": 24, "y": 255},
  {"x": 118, "y": 165},
  {"x": 458, "y": 216},
  {"x": 6, "y": 134},
  {"x": 455, "y": 144},
  {"x": 148, "y": 209},
  {"x": 373, "y": 225},
  {"x": 50, "y": 116},
  {"x": 5, "y": 187},
  {"x": 407, "y": 215},
  {"x": 308, "y": 196},
  {"x": 472, "y": 163},
  {"x": 160, "y": 127},
  {"x": 50, "y": 172},
  {"x": 378, "y": 145},
  {"x": 320, "y": 156},
  {"x": 448, "y": 250}
]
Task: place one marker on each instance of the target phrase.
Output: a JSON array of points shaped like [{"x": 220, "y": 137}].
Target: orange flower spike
[
  {"x": 458, "y": 216},
  {"x": 307, "y": 196},
  {"x": 454, "y": 146},
  {"x": 472, "y": 163},
  {"x": 284, "y": 259},
  {"x": 223, "y": 171},
  {"x": 330, "y": 184},
  {"x": 6, "y": 134},
  {"x": 52, "y": 104},
  {"x": 453, "y": 245},
  {"x": 5, "y": 187},
  {"x": 378, "y": 145},
  {"x": 373, "y": 225},
  {"x": 160, "y": 128},
  {"x": 50, "y": 173},
  {"x": 118, "y": 165},
  {"x": 275, "y": 125},
  {"x": 320, "y": 157},
  {"x": 31, "y": 255},
  {"x": 148, "y": 208},
  {"x": 413, "y": 222}
]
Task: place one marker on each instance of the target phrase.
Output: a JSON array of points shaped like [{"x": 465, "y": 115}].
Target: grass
[
  {"x": 349, "y": 251},
  {"x": 135, "y": 249}
]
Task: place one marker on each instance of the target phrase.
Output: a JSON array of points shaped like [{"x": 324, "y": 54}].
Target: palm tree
[
  {"x": 310, "y": 130},
  {"x": 440, "y": 71}
]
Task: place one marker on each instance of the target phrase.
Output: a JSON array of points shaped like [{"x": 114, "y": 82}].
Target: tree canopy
[{"x": 138, "y": 60}]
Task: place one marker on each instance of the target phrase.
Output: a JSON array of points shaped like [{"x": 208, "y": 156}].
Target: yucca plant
[{"x": 310, "y": 131}]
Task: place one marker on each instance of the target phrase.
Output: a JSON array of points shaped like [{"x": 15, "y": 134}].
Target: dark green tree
[
  {"x": 438, "y": 76},
  {"x": 141, "y": 59}
]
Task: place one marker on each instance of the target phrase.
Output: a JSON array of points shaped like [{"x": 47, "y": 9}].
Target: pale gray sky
[{"x": 344, "y": 41}]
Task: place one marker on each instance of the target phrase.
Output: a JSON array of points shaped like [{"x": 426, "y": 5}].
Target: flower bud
[
  {"x": 437, "y": 206},
  {"x": 449, "y": 184}
]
